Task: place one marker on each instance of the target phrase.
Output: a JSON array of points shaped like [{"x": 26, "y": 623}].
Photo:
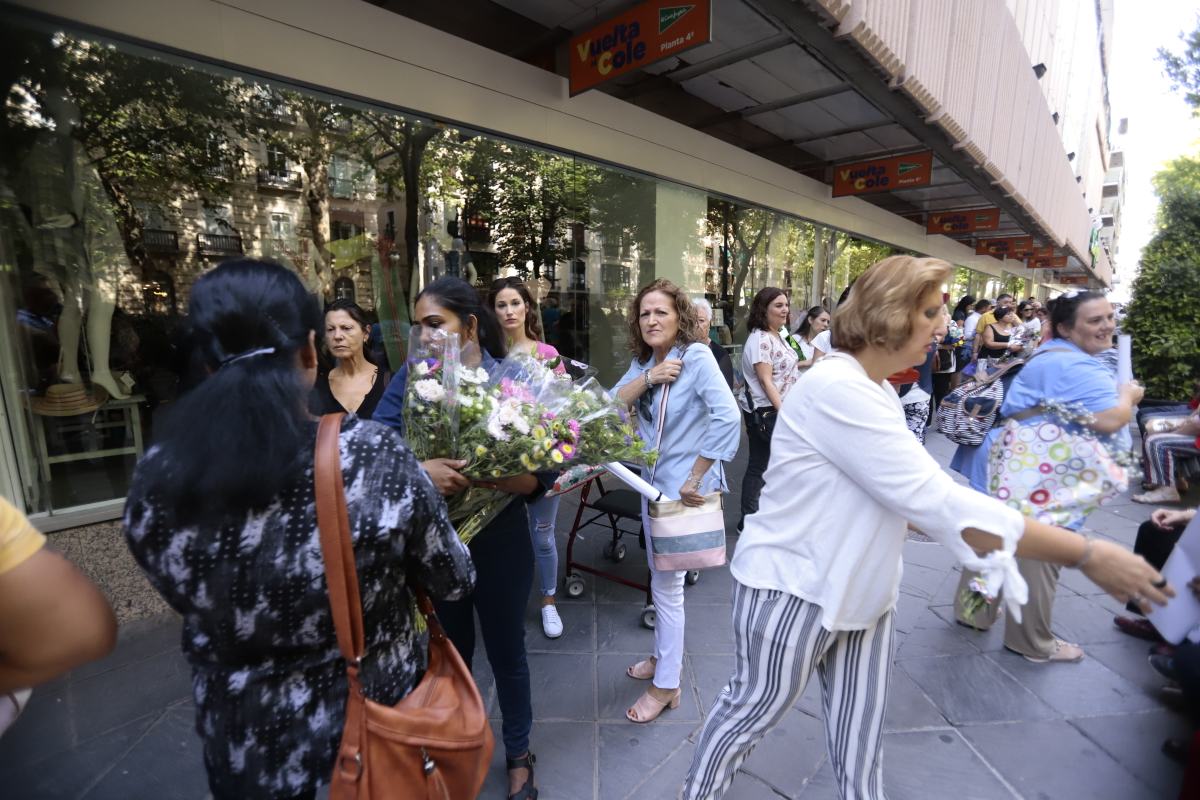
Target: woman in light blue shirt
[
  {"x": 1065, "y": 369},
  {"x": 701, "y": 430}
]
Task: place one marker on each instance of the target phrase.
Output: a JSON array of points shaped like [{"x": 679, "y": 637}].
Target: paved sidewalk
[{"x": 966, "y": 718}]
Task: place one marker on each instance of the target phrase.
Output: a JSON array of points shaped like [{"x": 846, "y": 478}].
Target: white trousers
[{"x": 666, "y": 592}]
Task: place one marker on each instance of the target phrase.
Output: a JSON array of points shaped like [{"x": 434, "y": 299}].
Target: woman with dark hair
[
  {"x": 521, "y": 323},
  {"x": 817, "y": 572},
  {"x": 220, "y": 516},
  {"x": 963, "y": 309},
  {"x": 699, "y": 432},
  {"x": 502, "y": 552},
  {"x": 770, "y": 367},
  {"x": 354, "y": 385},
  {"x": 815, "y": 322},
  {"x": 998, "y": 337},
  {"x": 1066, "y": 371}
]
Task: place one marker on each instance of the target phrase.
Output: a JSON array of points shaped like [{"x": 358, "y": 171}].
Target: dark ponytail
[
  {"x": 459, "y": 298},
  {"x": 1064, "y": 308},
  {"x": 243, "y": 433}
]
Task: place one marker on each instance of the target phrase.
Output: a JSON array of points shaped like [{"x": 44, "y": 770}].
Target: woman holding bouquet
[
  {"x": 519, "y": 320},
  {"x": 1064, "y": 371},
  {"x": 699, "y": 432},
  {"x": 818, "y": 568},
  {"x": 502, "y": 552}
]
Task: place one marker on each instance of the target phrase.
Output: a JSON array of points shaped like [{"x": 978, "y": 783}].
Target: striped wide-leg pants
[
  {"x": 1162, "y": 450},
  {"x": 779, "y": 643}
]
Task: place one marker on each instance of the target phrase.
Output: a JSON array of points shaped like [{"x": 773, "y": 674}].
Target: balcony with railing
[
  {"x": 351, "y": 188},
  {"x": 160, "y": 241},
  {"x": 282, "y": 180},
  {"x": 219, "y": 244}
]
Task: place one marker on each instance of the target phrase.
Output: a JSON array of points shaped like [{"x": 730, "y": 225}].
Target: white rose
[{"x": 430, "y": 391}]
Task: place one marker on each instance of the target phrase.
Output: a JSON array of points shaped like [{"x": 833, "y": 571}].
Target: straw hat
[{"x": 68, "y": 400}]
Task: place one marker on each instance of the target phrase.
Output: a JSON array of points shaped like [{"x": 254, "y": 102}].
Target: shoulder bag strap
[{"x": 333, "y": 522}]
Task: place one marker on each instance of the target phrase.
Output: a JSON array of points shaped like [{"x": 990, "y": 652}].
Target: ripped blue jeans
[{"x": 545, "y": 549}]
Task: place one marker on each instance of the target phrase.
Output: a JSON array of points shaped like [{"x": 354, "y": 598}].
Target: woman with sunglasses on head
[
  {"x": 817, "y": 571},
  {"x": 521, "y": 325},
  {"x": 699, "y": 432},
  {"x": 1065, "y": 371},
  {"x": 502, "y": 551}
]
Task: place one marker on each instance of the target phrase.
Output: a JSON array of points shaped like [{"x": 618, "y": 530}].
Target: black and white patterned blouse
[{"x": 269, "y": 683}]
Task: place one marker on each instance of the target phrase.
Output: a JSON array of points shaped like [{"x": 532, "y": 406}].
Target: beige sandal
[
  {"x": 648, "y": 707},
  {"x": 642, "y": 670},
  {"x": 1064, "y": 653}
]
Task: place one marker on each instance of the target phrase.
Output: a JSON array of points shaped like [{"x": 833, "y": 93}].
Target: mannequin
[{"x": 79, "y": 248}]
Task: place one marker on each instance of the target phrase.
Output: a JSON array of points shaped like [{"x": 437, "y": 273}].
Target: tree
[
  {"x": 1166, "y": 293},
  {"x": 745, "y": 233},
  {"x": 148, "y": 128},
  {"x": 1183, "y": 69}
]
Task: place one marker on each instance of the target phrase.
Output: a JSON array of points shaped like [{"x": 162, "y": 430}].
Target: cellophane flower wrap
[
  {"x": 538, "y": 419},
  {"x": 445, "y": 393}
]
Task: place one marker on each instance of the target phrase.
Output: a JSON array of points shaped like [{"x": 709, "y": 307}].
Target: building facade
[{"x": 373, "y": 147}]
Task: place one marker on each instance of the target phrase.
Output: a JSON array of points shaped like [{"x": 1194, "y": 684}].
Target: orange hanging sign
[
  {"x": 1051, "y": 262},
  {"x": 951, "y": 222},
  {"x": 1072, "y": 280},
  {"x": 648, "y": 32},
  {"x": 1010, "y": 246},
  {"x": 883, "y": 174}
]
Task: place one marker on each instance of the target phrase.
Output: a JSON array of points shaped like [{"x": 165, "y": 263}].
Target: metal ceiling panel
[
  {"x": 797, "y": 122},
  {"x": 708, "y": 88},
  {"x": 753, "y": 81},
  {"x": 851, "y": 109},
  {"x": 795, "y": 67},
  {"x": 734, "y": 25}
]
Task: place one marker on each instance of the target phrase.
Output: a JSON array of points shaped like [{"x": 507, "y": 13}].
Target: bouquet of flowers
[
  {"x": 523, "y": 416},
  {"x": 443, "y": 395},
  {"x": 538, "y": 420}
]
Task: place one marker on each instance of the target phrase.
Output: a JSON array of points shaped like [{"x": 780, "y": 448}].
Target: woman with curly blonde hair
[{"x": 699, "y": 431}]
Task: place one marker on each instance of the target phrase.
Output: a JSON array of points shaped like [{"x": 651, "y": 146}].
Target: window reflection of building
[
  {"x": 158, "y": 294},
  {"x": 343, "y": 289}
]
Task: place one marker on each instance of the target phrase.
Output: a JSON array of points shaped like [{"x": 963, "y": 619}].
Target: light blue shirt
[
  {"x": 702, "y": 420},
  {"x": 1070, "y": 376}
]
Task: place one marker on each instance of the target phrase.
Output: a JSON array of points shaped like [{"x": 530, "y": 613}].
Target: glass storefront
[{"x": 126, "y": 173}]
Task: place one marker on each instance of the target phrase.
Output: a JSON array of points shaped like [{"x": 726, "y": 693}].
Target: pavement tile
[
  {"x": 1084, "y": 689},
  {"x": 710, "y": 675},
  {"x": 932, "y": 636},
  {"x": 921, "y": 765},
  {"x": 971, "y": 688},
  {"x": 137, "y": 641},
  {"x": 561, "y": 686},
  {"x": 665, "y": 781},
  {"x": 746, "y": 786},
  {"x": 921, "y": 580},
  {"x": 708, "y": 628},
  {"x": 789, "y": 754},
  {"x": 579, "y": 630},
  {"x": 46, "y": 728},
  {"x": 1080, "y": 620},
  {"x": 1136, "y": 741},
  {"x": 1053, "y": 759},
  {"x": 1128, "y": 659},
  {"x": 112, "y": 699},
  {"x": 561, "y": 749},
  {"x": 49, "y": 777},
  {"x": 822, "y": 785},
  {"x": 908, "y": 707},
  {"x": 630, "y": 754},
  {"x": 988, "y": 641},
  {"x": 619, "y": 630},
  {"x": 165, "y": 764},
  {"x": 618, "y": 691}
]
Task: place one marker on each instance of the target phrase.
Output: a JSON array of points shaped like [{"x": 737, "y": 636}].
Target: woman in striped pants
[
  {"x": 1163, "y": 451},
  {"x": 818, "y": 567}
]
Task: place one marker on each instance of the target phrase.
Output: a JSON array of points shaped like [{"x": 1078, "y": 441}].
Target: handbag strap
[
  {"x": 337, "y": 548},
  {"x": 662, "y": 421}
]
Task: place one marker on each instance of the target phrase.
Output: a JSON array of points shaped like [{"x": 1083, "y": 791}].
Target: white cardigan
[{"x": 845, "y": 477}]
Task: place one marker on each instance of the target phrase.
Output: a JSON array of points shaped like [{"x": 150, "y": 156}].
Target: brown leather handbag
[{"x": 435, "y": 744}]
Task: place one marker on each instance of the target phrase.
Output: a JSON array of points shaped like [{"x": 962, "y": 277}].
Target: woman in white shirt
[
  {"x": 818, "y": 568},
  {"x": 770, "y": 367},
  {"x": 815, "y": 323}
]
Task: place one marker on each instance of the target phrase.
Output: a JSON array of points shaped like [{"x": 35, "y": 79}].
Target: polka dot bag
[{"x": 1056, "y": 475}]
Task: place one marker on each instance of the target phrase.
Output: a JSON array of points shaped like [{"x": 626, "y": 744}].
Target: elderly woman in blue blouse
[
  {"x": 1065, "y": 370},
  {"x": 700, "y": 431}
]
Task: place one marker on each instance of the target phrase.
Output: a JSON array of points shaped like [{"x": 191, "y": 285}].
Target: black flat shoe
[{"x": 528, "y": 791}]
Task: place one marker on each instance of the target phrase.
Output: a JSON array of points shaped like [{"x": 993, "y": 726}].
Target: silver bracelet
[
  {"x": 646, "y": 375},
  {"x": 1088, "y": 541}
]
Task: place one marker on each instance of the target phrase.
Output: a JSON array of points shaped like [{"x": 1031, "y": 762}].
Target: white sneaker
[{"x": 551, "y": 622}]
